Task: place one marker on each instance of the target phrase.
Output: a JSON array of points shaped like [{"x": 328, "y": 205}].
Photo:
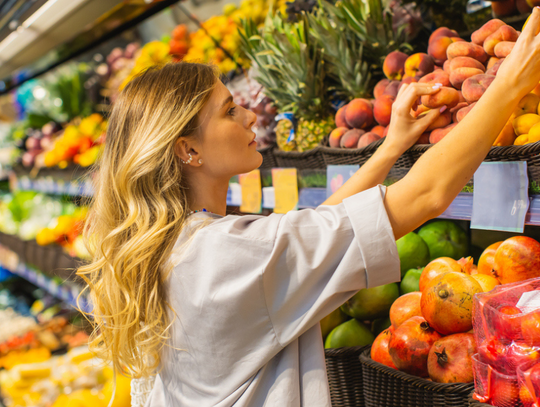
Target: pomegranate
[
  {"x": 436, "y": 268},
  {"x": 379, "y": 349},
  {"x": 486, "y": 262},
  {"x": 405, "y": 307},
  {"x": 504, "y": 392},
  {"x": 450, "y": 359},
  {"x": 447, "y": 302},
  {"x": 517, "y": 259},
  {"x": 493, "y": 353},
  {"x": 505, "y": 324},
  {"x": 467, "y": 265},
  {"x": 520, "y": 354},
  {"x": 487, "y": 283},
  {"x": 410, "y": 344}
]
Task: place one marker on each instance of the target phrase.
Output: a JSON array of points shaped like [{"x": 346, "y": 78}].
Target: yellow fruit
[
  {"x": 524, "y": 123},
  {"x": 521, "y": 140},
  {"x": 487, "y": 283},
  {"x": 534, "y": 133},
  {"x": 122, "y": 397}
]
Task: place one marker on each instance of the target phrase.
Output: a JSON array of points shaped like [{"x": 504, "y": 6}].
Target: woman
[{"x": 226, "y": 308}]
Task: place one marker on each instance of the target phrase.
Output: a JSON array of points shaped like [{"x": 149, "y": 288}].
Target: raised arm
[
  {"x": 439, "y": 175},
  {"x": 404, "y": 131}
]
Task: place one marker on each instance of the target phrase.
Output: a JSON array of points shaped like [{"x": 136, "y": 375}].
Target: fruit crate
[
  {"x": 387, "y": 387},
  {"x": 345, "y": 376}
]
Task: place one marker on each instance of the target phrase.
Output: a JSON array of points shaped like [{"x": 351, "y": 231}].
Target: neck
[{"x": 208, "y": 193}]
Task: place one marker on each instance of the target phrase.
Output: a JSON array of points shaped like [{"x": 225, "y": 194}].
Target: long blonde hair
[{"x": 137, "y": 213}]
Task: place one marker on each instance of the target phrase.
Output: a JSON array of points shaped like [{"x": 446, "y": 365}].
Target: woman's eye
[{"x": 230, "y": 112}]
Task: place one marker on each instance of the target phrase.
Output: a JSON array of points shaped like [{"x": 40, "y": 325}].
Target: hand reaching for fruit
[
  {"x": 520, "y": 70},
  {"x": 405, "y": 130}
]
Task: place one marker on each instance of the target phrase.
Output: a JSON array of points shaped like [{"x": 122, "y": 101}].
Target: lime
[
  {"x": 332, "y": 320},
  {"x": 445, "y": 239},
  {"x": 413, "y": 252},
  {"x": 372, "y": 303},
  {"x": 350, "y": 333},
  {"x": 410, "y": 282},
  {"x": 380, "y": 325}
]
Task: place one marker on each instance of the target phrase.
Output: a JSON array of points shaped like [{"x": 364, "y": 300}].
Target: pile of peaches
[{"x": 464, "y": 69}]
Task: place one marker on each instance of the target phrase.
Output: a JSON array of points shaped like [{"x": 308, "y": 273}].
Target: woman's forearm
[
  {"x": 440, "y": 174},
  {"x": 372, "y": 173}
]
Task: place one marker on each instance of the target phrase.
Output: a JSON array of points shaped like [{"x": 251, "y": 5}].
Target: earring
[
  {"x": 189, "y": 160},
  {"x": 200, "y": 161}
]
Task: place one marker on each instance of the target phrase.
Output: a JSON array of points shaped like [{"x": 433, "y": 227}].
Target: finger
[
  {"x": 402, "y": 89},
  {"x": 532, "y": 26},
  {"x": 427, "y": 120},
  {"x": 413, "y": 92}
]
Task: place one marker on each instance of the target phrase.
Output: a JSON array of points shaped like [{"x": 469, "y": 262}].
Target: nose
[{"x": 251, "y": 119}]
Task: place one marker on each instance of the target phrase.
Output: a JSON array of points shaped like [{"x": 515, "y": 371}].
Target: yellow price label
[
  {"x": 285, "y": 189},
  {"x": 251, "y": 192}
]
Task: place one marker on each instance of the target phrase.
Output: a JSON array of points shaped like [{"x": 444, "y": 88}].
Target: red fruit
[
  {"x": 410, "y": 344},
  {"x": 340, "y": 118},
  {"x": 380, "y": 88},
  {"x": 178, "y": 47},
  {"x": 530, "y": 328},
  {"x": 519, "y": 354},
  {"x": 436, "y": 268},
  {"x": 494, "y": 353},
  {"x": 525, "y": 396},
  {"x": 180, "y": 32},
  {"x": 379, "y": 349},
  {"x": 447, "y": 302},
  {"x": 517, "y": 259},
  {"x": 405, "y": 307},
  {"x": 504, "y": 392},
  {"x": 505, "y": 325},
  {"x": 359, "y": 114},
  {"x": 450, "y": 359},
  {"x": 486, "y": 263}
]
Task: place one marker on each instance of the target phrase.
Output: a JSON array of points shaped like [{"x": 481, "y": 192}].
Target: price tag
[
  {"x": 285, "y": 183},
  {"x": 501, "y": 196},
  {"x": 269, "y": 198},
  {"x": 311, "y": 197},
  {"x": 529, "y": 301},
  {"x": 251, "y": 192},
  {"x": 337, "y": 175}
]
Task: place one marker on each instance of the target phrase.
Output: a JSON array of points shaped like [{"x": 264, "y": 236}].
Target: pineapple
[
  {"x": 311, "y": 132},
  {"x": 291, "y": 68},
  {"x": 283, "y": 131}
]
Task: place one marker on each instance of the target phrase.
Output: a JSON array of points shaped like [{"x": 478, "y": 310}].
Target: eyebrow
[{"x": 226, "y": 102}]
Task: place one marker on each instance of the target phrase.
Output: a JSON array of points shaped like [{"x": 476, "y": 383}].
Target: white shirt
[{"x": 249, "y": 292}]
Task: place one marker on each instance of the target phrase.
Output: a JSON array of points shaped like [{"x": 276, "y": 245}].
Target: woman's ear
[{"x": 187, "y": 152}]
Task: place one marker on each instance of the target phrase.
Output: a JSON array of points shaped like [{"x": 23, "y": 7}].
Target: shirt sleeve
[{"x": 322, "y": 257}]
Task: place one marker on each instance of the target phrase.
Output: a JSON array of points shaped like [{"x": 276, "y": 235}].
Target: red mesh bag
[{"x": 507, "y": 331}]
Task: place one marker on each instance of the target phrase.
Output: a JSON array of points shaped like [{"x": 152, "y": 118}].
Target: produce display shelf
[
  {"x": 67, "y": 292},
  {"x": 49, "y": 185}
]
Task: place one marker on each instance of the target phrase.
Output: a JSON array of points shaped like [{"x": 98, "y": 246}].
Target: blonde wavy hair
[{"x": 139, "y": 208}]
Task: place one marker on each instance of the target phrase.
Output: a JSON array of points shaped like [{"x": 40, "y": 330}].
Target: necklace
[{"x": 201, "y": 210}]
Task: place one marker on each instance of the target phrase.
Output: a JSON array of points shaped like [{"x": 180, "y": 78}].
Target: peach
[
  {"x": 359, "y": 113},
  {"x": 335, "y": 136},
  {"x": 495, "y": 68},
  {"x": 462, "y": 100},
  {"x": 506, "y": 137},
  {"x": 523, "y": 7},
  {"x": 459, "y": 75},
  {"x": 446, "y": 96},
  {"x": 438, "y": 134},
  {"x": 504, "y": 33},
  {"x": 446, "y": 66},
  {"x": 380, "y": 88},
  {"x": 466, "y": 62},
  {"x": 367, "y": 139},
  {"x": 466, "y": 49},
  {"x": 442, "y": 32},
  {"x": 473, "y": 88},
  {"x": 442, "y": 121},
  {"x": 521, "y": 140},
  {"x": 379, "y": 130},
  {"x": 409, "y": 79},
  {"x": 491, "y": 62},
  {"x": 528, "y": 104},
  {"x": 394, "y": 65},
  {"x": 503, "y": 49},
  {"x": 437, "y": 49},
  {"x": 461, "y": 113},
  {"x": 392, "y": 89},
  {"x": 436, "y": 77},
  {"x": 340, "y": 117},
  {"x": 522, "y": 124},
  {"x": 419, "y": 64},
  {"x": 459, "y": 106},
  {"x": 420, "y": 109},
  {"x": 504, "y": 8},
  {"x": 479, "y": 36},
  {"x": 382, "y": 110},
  {"x": 350, "y": 139},
  {"x": 424, "y": 138}
]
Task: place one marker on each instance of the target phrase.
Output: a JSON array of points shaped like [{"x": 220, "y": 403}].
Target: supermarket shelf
[
  {"x": 49, "y": 185},
  {"x": 65, "y": 291}
]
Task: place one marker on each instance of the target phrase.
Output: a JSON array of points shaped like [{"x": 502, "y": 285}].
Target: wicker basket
[
  {"x": 345, "y": 376},
  {"x": 14, "y": 244},
  {"x": 386, "y": 387},
  {"x": 269, "y": 161},
  {"x": 311, "y": 159},
  {"x": 346, "y": 156}
]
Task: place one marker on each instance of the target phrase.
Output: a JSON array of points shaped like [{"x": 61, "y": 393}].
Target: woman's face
[{"x": 226, "y": 144}]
